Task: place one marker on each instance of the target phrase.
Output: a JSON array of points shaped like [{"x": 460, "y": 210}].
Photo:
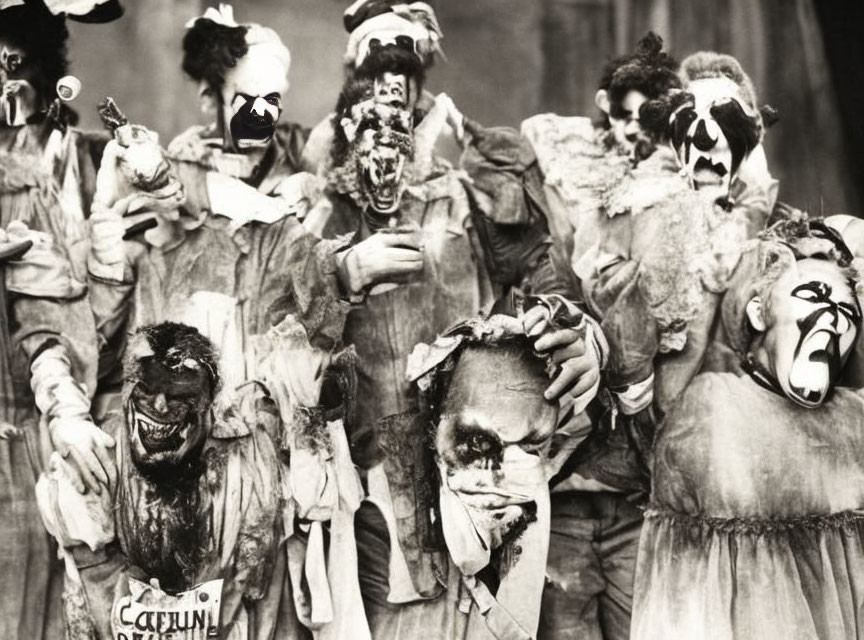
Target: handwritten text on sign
[{"x": 149, "y": 613}]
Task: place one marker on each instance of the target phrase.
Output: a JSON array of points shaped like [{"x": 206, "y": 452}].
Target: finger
[
  {"x": 562, "y": 355},
  {"x": 584, "y": 385},
  {"x": 408, "y": 240},
  {"x": 95, "y": 468},
  {"x": 402, "y": 255},
  {"x": 569, "y": 374},
  {"x": 84, "y": 472},
  {"x": 558, "y": 339},
  {"x": 106, "y": 463},
  {"x": 71, "y": 472},
  {"x": 533, "y": 317},
  {"x": 400, "y": 268}
]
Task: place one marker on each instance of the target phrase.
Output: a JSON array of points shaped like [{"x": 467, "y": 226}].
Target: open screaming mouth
[
  {"x": 160, "y": 436},
  {"x": 706, "y": 172},
  {"x": 382, "y": 195}
]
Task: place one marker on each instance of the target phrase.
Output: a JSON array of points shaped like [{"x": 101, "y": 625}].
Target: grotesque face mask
[
  {"x": 381, "y": 143},
  {"x": 18, "y": 98},
  {"x": 252, "y": 99},
  {"x": 810, "y": 319},
  {"x": 712, "y": 133},
  {"x": 168, "y": 414},
  {"x": 395, "y": 90}
]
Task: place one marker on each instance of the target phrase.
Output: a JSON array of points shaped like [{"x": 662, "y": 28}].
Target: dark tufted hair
[
  {"x": 648, "y": 70},
  {"x": 210, "y": 49},
  {"x": 172, "y": 343},
  {"x": 398, "y": 58}
]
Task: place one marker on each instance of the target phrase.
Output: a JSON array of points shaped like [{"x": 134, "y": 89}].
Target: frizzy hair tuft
[{"x": 210, "y": 49}]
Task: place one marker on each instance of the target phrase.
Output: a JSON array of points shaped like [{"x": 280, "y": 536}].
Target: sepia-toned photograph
[{"x": 435, "y": 320}]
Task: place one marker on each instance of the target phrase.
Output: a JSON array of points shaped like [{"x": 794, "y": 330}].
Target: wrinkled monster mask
[{"x": 381, "y": 143}]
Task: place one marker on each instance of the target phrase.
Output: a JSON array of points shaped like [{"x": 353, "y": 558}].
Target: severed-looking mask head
[
  {"x": 805, "y": 315},
  {"x": 482, "y": 388},
  {"x": 171, "y": 378}
]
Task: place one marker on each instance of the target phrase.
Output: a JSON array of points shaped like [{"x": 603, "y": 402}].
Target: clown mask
[
  {"x": 712, "y": 134},
  {"x": 18, "y": 98},
  {"x": 809, "y": 322},
  {"x": 381, "y": 144},
  {"x": 251, "y": 99}
]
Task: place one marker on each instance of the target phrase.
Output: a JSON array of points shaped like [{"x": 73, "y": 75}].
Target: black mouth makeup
[
  {"x": 705, "y": 164},
  {"x": 246, "y": 125}
]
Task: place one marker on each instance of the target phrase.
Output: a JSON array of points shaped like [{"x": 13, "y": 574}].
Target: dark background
[{"x": 509, "y": 59}]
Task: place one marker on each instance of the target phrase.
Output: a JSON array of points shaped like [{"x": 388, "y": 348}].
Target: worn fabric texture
[
  {"x": 46, "y": 181},
  {"x": 475, "y": 247},
  {"x": 592, "y": 559},
  {"x": 757, "y": 501},
  {"x": 239, "y": 503}
]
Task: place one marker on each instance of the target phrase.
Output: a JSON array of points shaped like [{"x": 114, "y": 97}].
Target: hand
[
  {"x": 86, "y": 446},
  {"x": 579, "y": 364},
  {"x": 383, "y": 257}
]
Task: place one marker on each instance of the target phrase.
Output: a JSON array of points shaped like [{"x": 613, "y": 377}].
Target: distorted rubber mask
[{"x": 382, "y": 145}]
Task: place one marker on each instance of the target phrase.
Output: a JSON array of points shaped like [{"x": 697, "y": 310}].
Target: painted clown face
[
  {"x": 713, "y": 133},
  {"x": 18, "y": 98},
  {"x": 252, "y": 100},
  {"x": 168, "y": 414},
  {"x": 624, "y": 120},
  {"x": 811, "y": 321},
  {"x": 382, "y": 143}
]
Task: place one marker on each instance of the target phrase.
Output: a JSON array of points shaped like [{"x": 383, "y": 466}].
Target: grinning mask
[
  {"x": 806, "y": 316},
  {"x": 170, "y": 383},
  {"x": 380, "y": 143}
]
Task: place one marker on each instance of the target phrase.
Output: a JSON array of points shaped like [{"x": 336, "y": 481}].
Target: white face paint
[
  {"x": 713, "y": 134},
  {"x": 252, "y": 99},
  {"x": 18, "y": 99},
  {"x": 624, "y": 120},
  {"x": 812, "y": 320}
]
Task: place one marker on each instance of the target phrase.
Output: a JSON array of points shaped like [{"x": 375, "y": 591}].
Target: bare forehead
[
  {"x": 257, "y": 75},
  {"x": 814, "y": 270},
  {"x": 707, "y": 91}
]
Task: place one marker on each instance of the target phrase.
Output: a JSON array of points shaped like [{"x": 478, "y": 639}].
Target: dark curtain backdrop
[{"x": 509, "y": 59}]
